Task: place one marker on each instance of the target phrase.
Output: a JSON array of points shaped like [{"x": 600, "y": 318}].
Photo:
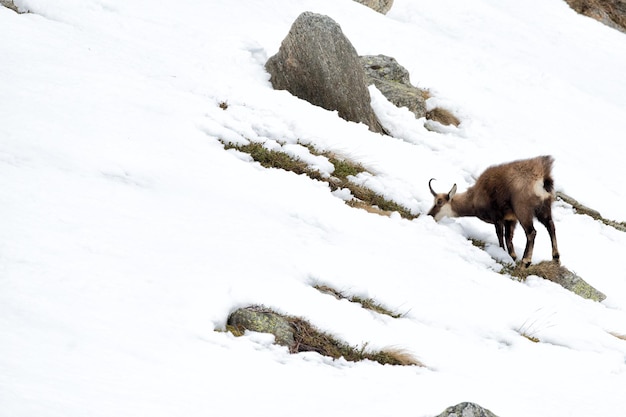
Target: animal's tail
[{"x": 548, "y": 182}]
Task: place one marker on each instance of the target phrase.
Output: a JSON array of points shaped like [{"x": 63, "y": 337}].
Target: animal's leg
[
  {"x": 499, "y": 232},
  {"x": 509, "y": 229},
  {"x": 545, "y": 217},
  {"x": 525, "y": 218}
]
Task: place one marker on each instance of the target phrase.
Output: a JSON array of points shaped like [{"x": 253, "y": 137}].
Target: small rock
[
  {"x": 466, "y": 410},
  {"x": 257, "y": 319},
  {"x": 381, "y": 6},
  {"x": 9, "y": 5}
]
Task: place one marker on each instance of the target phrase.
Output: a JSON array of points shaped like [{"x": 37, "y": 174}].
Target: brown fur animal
[{"x": 503, "y": 195}]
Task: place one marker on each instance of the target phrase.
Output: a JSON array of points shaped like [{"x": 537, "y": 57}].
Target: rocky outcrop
[
  {"x": 381, "y": 6},
  {"x": 262, "y": 320},
  {"x": 393, "y": 80},
  {"x": 10, "y": 5},
  {"x": 317, "y": 63},
  {"x": 559, "y": 274},
  {"x": 610, "y": 12},
  {"x": 466, "y": 410}
]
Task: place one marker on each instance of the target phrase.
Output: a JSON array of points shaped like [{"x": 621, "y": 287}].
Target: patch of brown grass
[
  {"x": 343, "y": 170},
  {"x": 366, "y": 303},
  {"x": 594, "y": 214},
  {"x": 310, "y": 339},
  {"x": 618, "y": 335},
  {"x": 443, "y": 116},
  {"x": 547, "y": 269}
]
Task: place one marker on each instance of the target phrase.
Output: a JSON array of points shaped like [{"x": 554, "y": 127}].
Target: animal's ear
[{"x": 452, "y": 192}]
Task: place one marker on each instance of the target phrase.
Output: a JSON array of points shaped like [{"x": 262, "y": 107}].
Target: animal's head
[{"x": 443, "y": 203}]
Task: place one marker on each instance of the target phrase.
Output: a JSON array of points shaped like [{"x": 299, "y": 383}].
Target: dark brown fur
[{"x": 503, "y": 195}]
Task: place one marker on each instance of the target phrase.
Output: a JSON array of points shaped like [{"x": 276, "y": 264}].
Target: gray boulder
[
  {"x": 466, "y": 410},
  {"x": 381, "y": 6},
  {"x": 393, "y": 80},
  {"x": 317, "y": 63}
]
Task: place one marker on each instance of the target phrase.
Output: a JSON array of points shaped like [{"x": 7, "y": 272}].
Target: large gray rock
[
  {"x": 381, "y": 6},
  {"x": 393, "y": 80},
  {"x": 466, "y": 410},
  {"x": 317, "y": 63}
]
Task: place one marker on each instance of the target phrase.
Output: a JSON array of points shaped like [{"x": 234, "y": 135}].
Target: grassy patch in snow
[
  {"x": 344, "y": 169},
  {"x": 579, "y": 208},
  {"x": 308, "y": 339},
  {"x": 301, "y": 336},
  {"x": 366, "y": 303}
]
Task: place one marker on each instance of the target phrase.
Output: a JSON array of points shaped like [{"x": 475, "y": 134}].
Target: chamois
[{"x": 503, "y": 195}]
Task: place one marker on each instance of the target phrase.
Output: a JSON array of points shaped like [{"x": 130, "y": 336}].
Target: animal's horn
[{"x": 431, "y": 188}]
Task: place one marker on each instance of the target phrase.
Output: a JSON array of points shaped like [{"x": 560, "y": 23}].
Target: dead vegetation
[
  {"x": 307, "y": 338},
  {"x": 546, "y": 269},
  {"x": 582, "y": 209},
  {"x": 620, "y": 336},
  {"x": 443, "y": 116},
  {"x": 310, "y": 339},
  {"x": 364, "y": 197},
  {"x": 366, "y": 303}
]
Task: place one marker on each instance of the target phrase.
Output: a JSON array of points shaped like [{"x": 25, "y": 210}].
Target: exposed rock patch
[
  {"x": 394, "y": 82},
  {"x": 466, "y": 410},
  {"x": 381, "y": 6},
  {"x": 262, "y": 320},
  {"x": 556, "y": 273},
  {"x": 609, "y": 12},
  {"x": 10, "y": 5},
  {"x": 317, "y": 63}
]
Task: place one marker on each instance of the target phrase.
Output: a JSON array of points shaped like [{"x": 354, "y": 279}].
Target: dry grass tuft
[
  {"x": 548, "y": 269},
  {"x": 309, "y": 339},
  {"x": 366, "y": 303},
  {"x": 618, "y": 335},
  {"x": 443, "y": 116},
  {"x": 402, "y": 357}
]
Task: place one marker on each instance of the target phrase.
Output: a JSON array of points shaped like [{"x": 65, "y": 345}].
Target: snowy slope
[{"x": 129, "y": 234}]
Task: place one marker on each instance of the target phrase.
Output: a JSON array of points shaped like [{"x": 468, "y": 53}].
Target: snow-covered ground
[{"x": 128, "y": 234}]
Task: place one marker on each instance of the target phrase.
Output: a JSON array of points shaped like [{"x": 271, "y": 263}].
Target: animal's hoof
[{"x": 525, "y": 263}]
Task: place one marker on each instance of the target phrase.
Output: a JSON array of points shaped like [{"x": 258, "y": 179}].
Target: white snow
[{"x": 129, "y": 234}]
